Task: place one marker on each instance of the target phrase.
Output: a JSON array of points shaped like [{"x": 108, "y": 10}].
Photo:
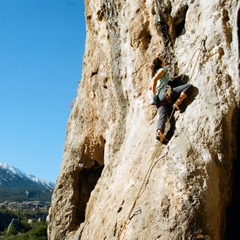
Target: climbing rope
[
  {"x": 129, "y": 217},
  {"x": 139, "y": 211},
  {"x": 200, "y": 49}
]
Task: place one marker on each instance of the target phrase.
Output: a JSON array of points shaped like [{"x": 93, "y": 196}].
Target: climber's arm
[{"x": 154, "y": 80}]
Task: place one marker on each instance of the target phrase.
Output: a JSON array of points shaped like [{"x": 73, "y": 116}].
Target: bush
[
  {"x": 38, "y": 231},
  {"x": 22, "y": 230}
]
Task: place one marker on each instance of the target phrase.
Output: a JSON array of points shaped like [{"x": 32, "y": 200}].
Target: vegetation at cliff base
[{"x": 23, "y": 225}]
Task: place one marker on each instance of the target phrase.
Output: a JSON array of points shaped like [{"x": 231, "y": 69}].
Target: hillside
[
  {"x": 15, "y": 185},
  {"x": 24, "y": 204}
]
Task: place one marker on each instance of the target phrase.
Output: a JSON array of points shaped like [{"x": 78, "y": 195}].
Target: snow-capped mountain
[{"x": 12, "y": 178}]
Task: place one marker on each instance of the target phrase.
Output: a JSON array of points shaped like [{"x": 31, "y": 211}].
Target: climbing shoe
[
  {"x": 160, "y": 136},
  {"x": 179, "y": 101}
]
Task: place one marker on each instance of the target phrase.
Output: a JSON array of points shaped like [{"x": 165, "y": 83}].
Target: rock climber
[{"x": 163, "y": 96}]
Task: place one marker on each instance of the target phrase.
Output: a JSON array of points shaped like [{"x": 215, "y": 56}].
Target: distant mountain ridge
[{"x": 14, "y": 179}]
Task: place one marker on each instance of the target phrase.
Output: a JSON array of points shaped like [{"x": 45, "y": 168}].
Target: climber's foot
[{"x": 160, "y": 136}]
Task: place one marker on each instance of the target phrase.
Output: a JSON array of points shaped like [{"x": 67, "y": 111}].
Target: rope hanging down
[
  {"x": 202, "y": 47},
  {"x": 139, "y": 211}
]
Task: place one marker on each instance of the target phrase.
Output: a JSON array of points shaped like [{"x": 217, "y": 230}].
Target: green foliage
[
  {"x": 37, "y": 233},
  {"x": 12, "y": 231},
  {"x": 3, "y": 209},
  {"x": 36, "y": 230}
]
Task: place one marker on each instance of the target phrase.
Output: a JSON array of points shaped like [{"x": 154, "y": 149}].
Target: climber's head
[{"x": 157, "y": 64}]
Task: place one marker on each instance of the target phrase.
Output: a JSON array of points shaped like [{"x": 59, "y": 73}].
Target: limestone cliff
[{"x": 116, "y": 180}]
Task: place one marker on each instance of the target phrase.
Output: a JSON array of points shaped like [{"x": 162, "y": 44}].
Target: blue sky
[{"x": 41, "y": 51}]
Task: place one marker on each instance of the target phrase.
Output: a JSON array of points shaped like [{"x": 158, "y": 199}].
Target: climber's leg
[
  {"x": 162, "y": 119},
  {"x": 181, "y": 92},
  {"x": 179, "y": 100}
]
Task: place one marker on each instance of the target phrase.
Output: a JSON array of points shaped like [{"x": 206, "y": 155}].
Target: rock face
[{"x": 116, "y": 180}]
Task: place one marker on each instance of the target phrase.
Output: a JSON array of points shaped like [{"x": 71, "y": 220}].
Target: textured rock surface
[{"x": 118, "y": 182}]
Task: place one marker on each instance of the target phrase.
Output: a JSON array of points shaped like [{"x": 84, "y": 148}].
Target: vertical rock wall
[{"x": 117, "y": 181}]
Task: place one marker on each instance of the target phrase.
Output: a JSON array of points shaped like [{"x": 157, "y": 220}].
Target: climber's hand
[{"x": 154, "y": 99}]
